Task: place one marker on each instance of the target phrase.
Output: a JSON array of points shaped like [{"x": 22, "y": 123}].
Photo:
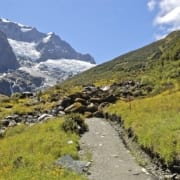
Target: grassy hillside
[
  {"x": 156, "y": 64},
  {"x": 155, "y": 121}
]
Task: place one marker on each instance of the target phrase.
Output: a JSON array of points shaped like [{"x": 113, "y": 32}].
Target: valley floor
[{"x": 110, "y": 159}]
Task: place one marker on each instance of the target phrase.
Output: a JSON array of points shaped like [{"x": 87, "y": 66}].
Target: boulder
[
  {"x": 110, "y": 99},
  {"x": 102, "y": 105},
  {"x": 61, "y": 113},
  {"x": 5, "y": 122},
  {"x": 14, "y": 117},
  {"x": 68, "y": 162},
  {"x": 98, "y": 114},
  {"x": 91, "y": 88},
  {"x": 85, "y": 96},
  {"x": 92, "y": 107},
  {"x": 12, "y": 123},
  {"x": 81, "y": 100},
  {"x": 106, "y": 88},
  {"x": 75, "y": 95},
  {"x": 54, "y": 112},
  {"x": 44, "y": 117},
  {"x": 75, "y": 107},
  {"x": 88, "y": 114},
  {"x": 65, "y": 102},
  {"x": 96, "y": 100}
]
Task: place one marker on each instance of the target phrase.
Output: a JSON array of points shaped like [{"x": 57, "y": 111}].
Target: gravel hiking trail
[{"x": 110, "y": 159}]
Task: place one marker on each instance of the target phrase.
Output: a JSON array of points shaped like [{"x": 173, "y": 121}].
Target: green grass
[
  {"x": 155, "y": 121},
  {"x": 29, "y": 152},
  {"x": 157, "y": 64}
]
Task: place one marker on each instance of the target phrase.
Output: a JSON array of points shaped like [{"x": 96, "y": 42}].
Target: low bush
[{"x": 74, "y": 123}]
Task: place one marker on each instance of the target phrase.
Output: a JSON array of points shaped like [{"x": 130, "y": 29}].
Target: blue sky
[{"x": 103, "y": 28}]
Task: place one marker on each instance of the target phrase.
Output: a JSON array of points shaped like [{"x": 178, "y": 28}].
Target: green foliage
[
  {"x": 74, "y": 123},
  {"x": 29, "y": 152}
]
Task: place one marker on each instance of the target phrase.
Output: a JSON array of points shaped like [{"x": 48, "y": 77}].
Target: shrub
[{"x": 74, "y": 123}]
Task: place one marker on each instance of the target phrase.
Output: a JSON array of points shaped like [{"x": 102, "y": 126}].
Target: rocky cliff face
[
  {"x": 7, "y": 57},
  {"x": 19, "y": 81}
]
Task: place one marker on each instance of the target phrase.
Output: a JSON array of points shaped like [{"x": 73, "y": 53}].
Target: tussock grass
[{"x": 29, "y": 152}]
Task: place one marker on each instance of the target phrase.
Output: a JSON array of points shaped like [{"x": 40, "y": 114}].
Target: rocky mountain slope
[
  {"x": 7, "y": 57},
  {"x": 41, "y": 56}
]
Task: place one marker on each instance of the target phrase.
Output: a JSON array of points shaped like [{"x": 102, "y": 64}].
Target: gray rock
[
  {"x": 44, "y": 117},
  {"x": 65, "y": 102},
  {"x": 98, "y": 114},
  {"x": 61, "y": 113},
  {"x": 5, "y": 122},
  {"x": 68, "y": 162},
  {"x": 75, "y": 107},
  {"x": 92, "y": 107},
  {"x": 12, "y": 123},
  {"x": 81, "y": 100}
]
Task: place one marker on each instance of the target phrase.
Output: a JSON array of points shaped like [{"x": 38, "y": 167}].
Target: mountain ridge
[{"x": 23, "y": 33}]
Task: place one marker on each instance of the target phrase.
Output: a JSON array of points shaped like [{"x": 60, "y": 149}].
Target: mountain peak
[{"x": 49, "y": 46}]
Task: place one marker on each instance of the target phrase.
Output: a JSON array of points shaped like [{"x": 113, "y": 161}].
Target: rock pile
[
  {"x": 92, "y": 100},
  {"x": 89, "y": 102}
]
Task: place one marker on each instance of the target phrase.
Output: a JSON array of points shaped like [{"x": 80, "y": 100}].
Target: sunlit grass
[
  {"x": 29, "y": 152},
  {"x": 155, "y": 121}
]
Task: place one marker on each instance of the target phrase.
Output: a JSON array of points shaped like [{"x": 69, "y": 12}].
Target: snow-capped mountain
[
  {"x": 45, "y": 46},
  {"x": 43, "y": 58}
]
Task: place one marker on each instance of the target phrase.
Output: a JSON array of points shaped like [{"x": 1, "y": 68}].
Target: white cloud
[
  {"x": 168, "y": 15},
  {"x": 151, "y": 5}
]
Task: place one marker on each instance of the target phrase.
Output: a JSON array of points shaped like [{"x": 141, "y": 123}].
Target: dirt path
[{"x": 110, "y": 159}]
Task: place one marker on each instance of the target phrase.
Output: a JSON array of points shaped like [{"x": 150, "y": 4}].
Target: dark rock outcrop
[
  {"x": 19, "y": 81},
  {"x": 7, "y": 58}
]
